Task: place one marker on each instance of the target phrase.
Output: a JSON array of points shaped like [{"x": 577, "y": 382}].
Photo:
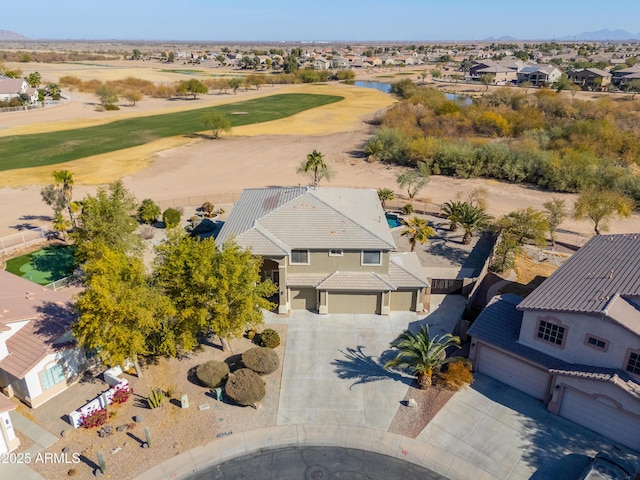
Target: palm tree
[
  {"x": 315, "y": 167},
  {"x": 64, "y": 181},
  {"x": 61, "y": 225},
  {"x": 451, "y": 210},
  {"x": 385, "y": 194},
  {"x": 417, "y": 230},
  {"x": 423, "y": 354},
  {"x": 472, "y": 218}
]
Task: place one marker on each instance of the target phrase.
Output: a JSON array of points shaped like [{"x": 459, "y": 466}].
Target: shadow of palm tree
[{"x": 364, "y": 368}]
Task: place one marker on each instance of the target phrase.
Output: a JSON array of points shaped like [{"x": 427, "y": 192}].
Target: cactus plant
[
  {"x": 147, "y": 435},
  {"x": 155, "y": 398},
  {"x": 102, "y": 462}
]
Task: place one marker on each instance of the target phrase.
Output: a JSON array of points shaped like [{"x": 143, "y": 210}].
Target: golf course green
[
  {"x": 36, "y": 150},
  {"x": 44, "y": 266}
]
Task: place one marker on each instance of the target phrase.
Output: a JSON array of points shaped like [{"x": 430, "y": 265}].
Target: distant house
[
  {"x": 501, "y": 72},
  {"x": 38, "y": 357},
  {"x": 593, "y": 78},
  {"x": 329, "y": 250},
  {"x": 574, "y": 343},
  {"x": 620, "y": 78},
  {"x": 539, "y": 75},
  {"x": 321, "y": 63},
  {"x": 14, "y": 87}
]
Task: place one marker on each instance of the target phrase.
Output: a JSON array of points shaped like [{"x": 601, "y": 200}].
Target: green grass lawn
[
  {"x": 26, "y": 151},
  {"x": 44, "y": 266}
]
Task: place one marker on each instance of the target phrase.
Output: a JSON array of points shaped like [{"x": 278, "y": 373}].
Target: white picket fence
[{"x": 23, "y": 237}]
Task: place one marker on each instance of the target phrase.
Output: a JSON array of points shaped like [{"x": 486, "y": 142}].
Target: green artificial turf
[
  {"x": 26, "y": 151},
  {"x": 44, "y": 266}
]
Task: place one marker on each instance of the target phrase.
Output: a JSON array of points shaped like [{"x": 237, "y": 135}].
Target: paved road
[{"x": 316, "y": 463}]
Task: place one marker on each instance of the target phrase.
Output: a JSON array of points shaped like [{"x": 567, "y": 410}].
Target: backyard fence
[
  {"x": 23, "y": 237},
  {"x": 197, "y": 200},
  {"x": 58, "y": 284}
]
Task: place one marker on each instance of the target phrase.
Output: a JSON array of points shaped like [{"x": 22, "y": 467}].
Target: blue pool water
[{"x": 392, "y": 220}]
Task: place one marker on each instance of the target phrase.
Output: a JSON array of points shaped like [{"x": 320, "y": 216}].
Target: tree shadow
[
  {"x": 57, "y": 261},
  {"x": 90, "y": 463},
  {"x": 43, "y": 218},
  {"x": 234, "y": 362},
  {"x": 136, "y": 438},
  {"x": 140, "y": 401},
  {"x": 364, "y": 368}
]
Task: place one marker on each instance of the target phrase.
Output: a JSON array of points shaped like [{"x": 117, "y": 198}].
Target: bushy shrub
[
  {"x": 93, "y": 419},
  {"x": 456, "y": 376},
  {"x": 245, "y": 387},
  {"x": 148, "y": 211},
  {"x": 171, "y": 217},
  {"x": 407, "y": 209},
  {"x": 269, "y": 338},
  {"x": 261, "y": 360},
  {"x": 212, "y": 373},
  {"x": 111, "y": 106},
  {"x": 121, "y": 395}
]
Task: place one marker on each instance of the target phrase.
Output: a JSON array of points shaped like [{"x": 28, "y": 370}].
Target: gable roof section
[
  {"x": 618, "y": 378},
  {"x": 405, "y": 270},
  {"x": 606, "y": 266},
  {"x": 302, "y": 218},
  {"x": 10, "y": 85}
]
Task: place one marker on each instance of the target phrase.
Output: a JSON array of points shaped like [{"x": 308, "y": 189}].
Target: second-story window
[
  {"x": 551, "y": 332},
  {"x": 299, "y": 257},
  {"x": 371, "y": 257},
  {"x": 335, "y": 252},
  {"x": 633, "y": 365}
]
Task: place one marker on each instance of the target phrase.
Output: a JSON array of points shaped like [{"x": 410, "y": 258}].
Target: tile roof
[
  {"x": 48, "y": 314},
  {"x": 296, "y": 218},
  {"x": 364, "y": 281},
  {"x": 6, "y": 404},
  {"x": 588, "y": 282},
  {"x": 405, "y": 270},
  {"x": 10, "y": 85},
  {"x": 617, "y": 377},
  {"x": 305, "y": 279}
]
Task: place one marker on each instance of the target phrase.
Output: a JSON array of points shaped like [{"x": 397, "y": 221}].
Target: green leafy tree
[
  {"x": 108, "y": 95},
  {"x": 600, "y": 206},
  {"x": 385, "y": 195},
  {"x": 414, "y": 180},
  {"x": 486, "y": 80},
  {"x": 171, "y": 218},
  {"x": 136, "y": 54},
  {"x": 291, "y": 64},
  {"x": 562, "y": 83},
  {"x": 515, "y": 229},
  {"x": 315, "y": 167},
  {"x": 556, "y": 212},
  {"x": 133, "y": 96},
  {"x": 634, "y": 87},
  {"x": 54, "y": 198},
  {"x": 107, "y": 220},
  {"x": 417, "y": 230},
  {"x": 119, "y": 314},
  {"x": 234, "y": 84},
  {"x": 216, "y": 122},
  {"x": 148, "y": 211},
  {"x": 422, "y": 354}
]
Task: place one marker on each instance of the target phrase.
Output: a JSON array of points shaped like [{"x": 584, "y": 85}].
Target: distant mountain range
[
  {"x": 601, "y": 35},
  {"x": 9, "y": 35}
]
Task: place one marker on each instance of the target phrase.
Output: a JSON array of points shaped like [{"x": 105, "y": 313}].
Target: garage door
[
  {"x": 403, "y": 300},
  {"x": 354, "y": 302},
  {"x": 304, "y": 299},
  {"x": 601, "y": 417},
  {"x": 512, "y": 371}
]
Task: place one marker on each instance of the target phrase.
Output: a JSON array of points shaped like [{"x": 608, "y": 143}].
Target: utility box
[{"x": 184, "y": 401}]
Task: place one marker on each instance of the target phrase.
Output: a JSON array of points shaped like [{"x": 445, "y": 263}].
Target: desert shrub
[
  {"x": 148, "y": 211},
  {"x": 105, "y": 431},
  {"x": 261, "y": 360},
  {"x": 456, "y": 376},
  {"x": 212, "y": 373},
  {"x": 171, "y": 217},
  {"x": 269, "y": 338},
  {"x": 170, "y": 391},
  {"x": 245, "y": 387},
  {"x": 96, "y": 418},
  {"x": 407, "y": 209},
  {"x": 111, "y": 106},
  {"x": 147, "y": 232}
]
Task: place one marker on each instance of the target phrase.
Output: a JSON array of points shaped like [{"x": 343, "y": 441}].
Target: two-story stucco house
[
  {"x": 329, "y": 250},
  {"x": 38, "y": 356},
  {"x": 574, "y": 343}
]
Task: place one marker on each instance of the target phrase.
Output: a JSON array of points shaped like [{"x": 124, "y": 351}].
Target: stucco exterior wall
[
  {"x": 577, "y": 329},
  {"x": 351, "y": 261}
]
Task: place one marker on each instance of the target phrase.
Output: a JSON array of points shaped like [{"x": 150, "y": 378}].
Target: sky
[{"x": 323, "y": 20}]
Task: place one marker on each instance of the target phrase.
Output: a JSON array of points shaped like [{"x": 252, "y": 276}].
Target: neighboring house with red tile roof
[
  {"x": 38, "y": 357},
  {"x": 329, "y": 250},
  {"x": 574, "y": 343}
]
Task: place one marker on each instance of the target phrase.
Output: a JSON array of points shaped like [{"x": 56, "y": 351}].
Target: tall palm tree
[
  {"x": 315, "y": 167},
  {"x": 417, "y": 230},
  {"x": 61, "y": 225},
  {"x": 385, "y": 194},
  {"x": 64, "y": 182},
  {"x": 451, "y": 210},
  {"x": 421, "y": 353},
  {"x": 472, "y": 218}
]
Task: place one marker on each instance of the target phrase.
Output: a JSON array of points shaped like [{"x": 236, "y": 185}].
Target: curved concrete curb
[{"x": 391, "y": 444}]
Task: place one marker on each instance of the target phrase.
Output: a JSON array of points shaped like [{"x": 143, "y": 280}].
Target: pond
[{"x": 386, "y": 88}]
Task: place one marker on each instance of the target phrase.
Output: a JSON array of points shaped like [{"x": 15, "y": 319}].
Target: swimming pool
[{"x": 392, "y": 220}]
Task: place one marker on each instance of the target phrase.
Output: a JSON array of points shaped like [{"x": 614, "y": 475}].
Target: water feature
[{"x": 386, "y": 88}]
